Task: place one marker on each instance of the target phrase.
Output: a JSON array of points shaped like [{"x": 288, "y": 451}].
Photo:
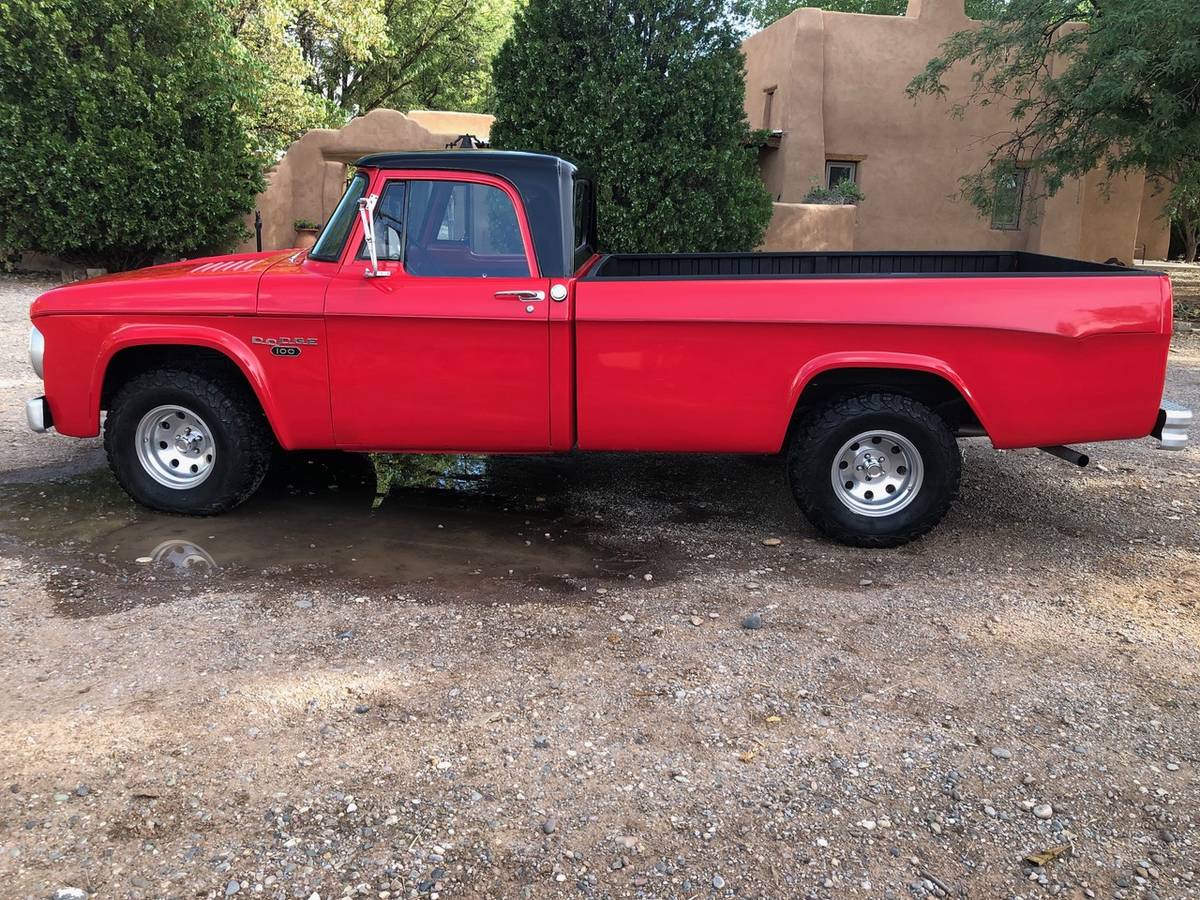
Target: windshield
[{"x": 333, "y": 236}]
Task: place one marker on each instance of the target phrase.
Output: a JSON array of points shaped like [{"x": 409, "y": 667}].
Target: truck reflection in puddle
[
  {"x": 336, "y": 518},
  {"x": 181, "y": 556}
]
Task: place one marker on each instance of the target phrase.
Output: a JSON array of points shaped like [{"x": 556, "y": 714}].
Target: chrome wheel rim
[
  {"x": 183, "y": 556},
  {"x": 175, "y": 447},
  {"x": 877, "y": 473}
]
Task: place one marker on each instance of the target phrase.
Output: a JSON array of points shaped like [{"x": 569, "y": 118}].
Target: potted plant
[
  {"x": 306, "y": 233},
  {"x": 844, "y": 193}
]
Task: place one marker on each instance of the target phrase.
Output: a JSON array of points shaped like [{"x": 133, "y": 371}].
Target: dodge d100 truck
[{"x": 455, "y": 301}]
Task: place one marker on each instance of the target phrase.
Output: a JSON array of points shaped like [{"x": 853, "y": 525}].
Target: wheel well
[
  {"x": 133, "y": 361},
  {"x": 933, "y": 390}
]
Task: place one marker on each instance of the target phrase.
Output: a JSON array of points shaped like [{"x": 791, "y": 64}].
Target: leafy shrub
[
  {"x": 306, "y": 225},
  {"x": 647, "y": 95},
  {"x": 121, "y": 130},
  {"x": 843, "y": 193}
]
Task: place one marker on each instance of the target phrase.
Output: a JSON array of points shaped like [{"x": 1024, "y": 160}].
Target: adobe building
[
  {"x": 310, "y": 178},
  {"x": 830, "y": 88}
]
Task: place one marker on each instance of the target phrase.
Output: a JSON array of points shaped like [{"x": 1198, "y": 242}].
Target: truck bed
[
  {"x": 823, "y": 265},
  {"x": 711, "y": 351}
]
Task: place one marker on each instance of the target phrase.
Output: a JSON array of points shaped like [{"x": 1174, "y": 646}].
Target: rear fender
[{"x": 878, "y": 360}]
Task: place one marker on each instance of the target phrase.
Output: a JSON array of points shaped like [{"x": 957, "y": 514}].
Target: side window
[
  {"x": 583, "y": 224},
  {"x": 389, "y": 224},
  {"x": 1006, "y": 206},
  {"x": 582, "y": 203},
  {"x": 837, "y": 171},
  {"x": 459, "y": 228}
]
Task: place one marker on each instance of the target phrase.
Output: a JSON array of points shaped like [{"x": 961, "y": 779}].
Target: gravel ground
[
  {"x": 1185, "y": 280},
  {"x": 596, "y": 676}
]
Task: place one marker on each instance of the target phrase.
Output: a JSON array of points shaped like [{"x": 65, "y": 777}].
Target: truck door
[{"x": 451, "y": 350}]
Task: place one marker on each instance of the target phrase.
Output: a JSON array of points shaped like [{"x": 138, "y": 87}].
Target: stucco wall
[
  {"x": 810, "y": 226},
  {"x": 441, "y": 121},
  {"x": 839, "y": 83}
]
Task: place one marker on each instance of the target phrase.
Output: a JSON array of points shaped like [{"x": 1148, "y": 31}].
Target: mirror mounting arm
[{"x": 366, "y": 214}]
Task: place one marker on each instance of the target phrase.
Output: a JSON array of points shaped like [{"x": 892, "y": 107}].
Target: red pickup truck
[{"x": 455, "y": 302}]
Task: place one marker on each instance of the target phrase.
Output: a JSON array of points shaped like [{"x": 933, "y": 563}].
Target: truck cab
[{"x": 466, "y": 295}]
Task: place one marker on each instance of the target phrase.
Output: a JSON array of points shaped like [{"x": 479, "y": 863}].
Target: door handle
[{"x": 523, "y": 296}]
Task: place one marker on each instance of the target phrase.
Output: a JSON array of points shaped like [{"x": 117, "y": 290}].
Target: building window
[
  {"x": 1006, "y": 208},
  {"x": 768, "y": 102},
  {"x": 837, "y": 171}
]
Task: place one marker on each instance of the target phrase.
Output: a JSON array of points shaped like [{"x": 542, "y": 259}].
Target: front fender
[{"x": 151, "y": 334}]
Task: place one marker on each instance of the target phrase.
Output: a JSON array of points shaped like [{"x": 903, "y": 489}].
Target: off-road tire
[
  {"x": 230, "y": 409},
  {"x": 826, "y": 429}
]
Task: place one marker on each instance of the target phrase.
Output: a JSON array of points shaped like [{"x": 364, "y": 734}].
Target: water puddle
[{"x": 331, "y": 519}]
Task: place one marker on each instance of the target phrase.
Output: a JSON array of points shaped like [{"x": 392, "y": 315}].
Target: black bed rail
[{"x": 799, "y": 265}]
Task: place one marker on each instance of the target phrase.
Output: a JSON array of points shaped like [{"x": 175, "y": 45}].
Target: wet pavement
[{"x": 353, "y": 522}]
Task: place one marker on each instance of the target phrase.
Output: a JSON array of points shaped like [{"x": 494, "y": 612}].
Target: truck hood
[{"x": 214, "y": 285}]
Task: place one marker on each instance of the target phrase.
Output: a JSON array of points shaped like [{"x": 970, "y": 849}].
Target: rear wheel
[
  {"x": 185, "y": 442},
  {"x": 874, "y": 469}
]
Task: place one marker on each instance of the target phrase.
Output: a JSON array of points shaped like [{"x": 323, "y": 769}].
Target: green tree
[
  {"x": 1092, "y": 84},
  {"x": 648, "y": 95},
  {"x": 286, "y": 106},
  {"x": 323, "y": 61},
  {"x": 761, "y": 13},
  {"x": 121, "y": 129},
  {"x": 417, "y": 53},
  {"x": 1183, "y": 208}
]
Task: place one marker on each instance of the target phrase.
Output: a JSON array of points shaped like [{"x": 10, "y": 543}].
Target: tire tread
[
  {"x": 804, "y": 464},
  {"x": 239, "y": 413}
]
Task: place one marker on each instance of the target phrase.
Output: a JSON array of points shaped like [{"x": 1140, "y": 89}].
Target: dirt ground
[{"x": 532, "y": 678}]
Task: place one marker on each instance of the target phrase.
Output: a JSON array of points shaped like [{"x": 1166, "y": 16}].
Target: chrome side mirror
[{"x": 366, "y": 214}]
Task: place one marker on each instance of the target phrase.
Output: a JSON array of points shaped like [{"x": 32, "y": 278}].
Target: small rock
[
  {"x": 550, "y": 825},
  {"x": 753, "y": 622},
  {"x": 69, "y": 893},
  {"x": 304, "y": 604},
  {"x": 232, "y": 888},
  {"x": 771, "y": 542},
  {"x": 647, "y": 577},
  {"x": 1001, "y": 753},
  {"x": 627, "y": 617},
  {"x": 865, "y": 582},
  {"x": 541, "y": 742},
  {"x": 362, "y": 708},
  {"x": 82, "y": 791},
  {"x": 1043, "y": 810},
  {"x": 718, "y": 882}
]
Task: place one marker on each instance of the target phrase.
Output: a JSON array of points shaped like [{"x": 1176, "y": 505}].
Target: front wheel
[
  {"x": 874, "y": 469},
  {"x": 185, "y": 442}
]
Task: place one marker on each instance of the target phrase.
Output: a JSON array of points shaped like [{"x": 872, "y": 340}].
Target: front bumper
[
  {"x": 1171, "y": 429},
  {"x": 37, "y": 414}
]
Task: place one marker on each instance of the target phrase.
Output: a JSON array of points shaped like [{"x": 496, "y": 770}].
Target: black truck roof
[{"x": 545, "y": 183}]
